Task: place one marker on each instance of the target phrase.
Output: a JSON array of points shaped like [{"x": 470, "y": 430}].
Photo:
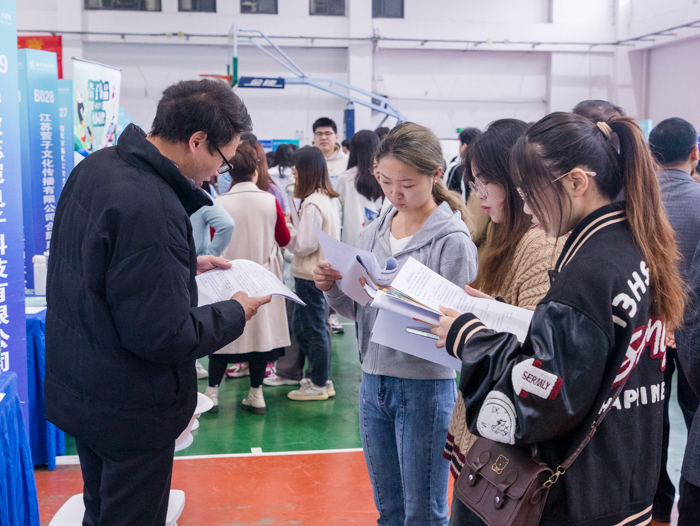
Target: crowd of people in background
[
  {"x": 575, "y": 217},
  {"x": 391, "y": 192}
]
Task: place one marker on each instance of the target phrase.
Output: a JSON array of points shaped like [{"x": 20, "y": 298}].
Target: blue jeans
[
  {"x": 309, "y": 326},
  {"x": 403, "y": 424}
]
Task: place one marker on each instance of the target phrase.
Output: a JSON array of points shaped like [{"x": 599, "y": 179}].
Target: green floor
[
  {"x": 287, "y": 426},
  {"x": 332, "y": 424}
]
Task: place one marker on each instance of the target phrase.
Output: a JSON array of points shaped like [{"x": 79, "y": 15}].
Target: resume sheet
[
  {"x": 355, "y": 264},
  {"x": 244, "y": 275},
  {"x": 432, "y": 290}
]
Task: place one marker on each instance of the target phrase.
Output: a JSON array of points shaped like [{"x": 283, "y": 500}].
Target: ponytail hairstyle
[
  {"x": 489, "y": 154},
  {"x": 264, "y": 179},
  {"x": 617, "y": 152},
  {"x": 363, "y": 146},
  {"x": 418, "y": 147}
]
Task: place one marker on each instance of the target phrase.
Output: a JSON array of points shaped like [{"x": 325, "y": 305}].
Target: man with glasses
[
  {"x": 326, "y": 140},
  {"x": 123, "y": 329}
]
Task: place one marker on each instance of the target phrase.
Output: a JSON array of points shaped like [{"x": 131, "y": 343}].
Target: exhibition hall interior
[{"x": 331, "y": 262}]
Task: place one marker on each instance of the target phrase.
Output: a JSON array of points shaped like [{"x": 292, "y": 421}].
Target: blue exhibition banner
[
  {"x": 65, "y": 128},
  {"x": 13, "y": 342},
  {"x": 41, "y": 158}
]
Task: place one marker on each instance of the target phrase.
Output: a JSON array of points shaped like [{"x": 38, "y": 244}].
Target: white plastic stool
[{"x": 72, "y": 512}]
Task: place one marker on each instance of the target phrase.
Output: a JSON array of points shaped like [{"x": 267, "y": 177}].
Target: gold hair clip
[{"x": 605, "y": 128}]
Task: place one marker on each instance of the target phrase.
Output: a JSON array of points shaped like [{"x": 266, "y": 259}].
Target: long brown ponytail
[
  {"x": 617, "y": 152},
  {"x": 648, "y": 220}
]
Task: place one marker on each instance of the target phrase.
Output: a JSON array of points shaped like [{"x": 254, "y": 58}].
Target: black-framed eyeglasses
[{"x": 225, "y": 166}]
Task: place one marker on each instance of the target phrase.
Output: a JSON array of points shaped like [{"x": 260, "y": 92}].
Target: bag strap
[{"x": 594, "y": 427}]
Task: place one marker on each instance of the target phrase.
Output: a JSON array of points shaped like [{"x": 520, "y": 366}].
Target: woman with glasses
[
  {"x": 514, "y": 259},
  {"x": 596, "y": 341},
  {"x": 260, "y": 231}
]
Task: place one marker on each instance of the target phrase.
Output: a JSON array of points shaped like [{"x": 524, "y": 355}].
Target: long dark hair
[
  {"x": 312, "y": 173},
  {"x": 561, "y": 142},
  {"x": 363, "y": 146},
  {"x": 283, "y": 156},
  {"x": 489, "y": 154}
]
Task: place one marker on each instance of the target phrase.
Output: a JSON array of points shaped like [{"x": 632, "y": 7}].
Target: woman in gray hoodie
[{"x": 406, "y": 402}]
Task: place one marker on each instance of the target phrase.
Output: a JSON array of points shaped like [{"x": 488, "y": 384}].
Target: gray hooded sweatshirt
[{"x": 444, "y": 245}]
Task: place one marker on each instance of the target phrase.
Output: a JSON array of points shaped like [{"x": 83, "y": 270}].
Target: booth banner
[
  {"x": 96, "y": 106},
  {"x": 13, "y": 347},
  {"x": 53, "y": 43},
  {"x": 41, "y": 157},
  {"x": 65, "y": 127}
]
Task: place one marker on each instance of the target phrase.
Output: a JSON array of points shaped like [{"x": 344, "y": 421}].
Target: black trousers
[
  {"x": 125, "y": 488},
  {"x": 688, "y": 402},
  {"x": 689, "y": 505},
  {"x": 219, "y": 362}
]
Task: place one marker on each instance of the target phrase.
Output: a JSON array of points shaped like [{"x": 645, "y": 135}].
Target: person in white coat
[
  {"x": 259, "y": 233},
  {"x": 360, "y": 192}
]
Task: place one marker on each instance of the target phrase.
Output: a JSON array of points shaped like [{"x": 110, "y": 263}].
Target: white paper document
[
  {"x": 390, "y": 331},
  {"x": 432, "y": 290},
  {"x": 244, "y": 275},
  {"x": 416, "y": 295},
  {"x": 353, "y": 264}
]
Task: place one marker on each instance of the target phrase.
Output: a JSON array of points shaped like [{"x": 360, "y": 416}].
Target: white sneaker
[
  {"x": 276, "y": 379},
  {"x": 254, "y": 402},
  {"x": 330, "y": 389},
  {"x": 238, "y": 370},
  {"x": 336, "y": 327},
  {"x": 308, "y": 392},
  {"x": 213, "y": 394},
  {"x": 201, "y": 370}
]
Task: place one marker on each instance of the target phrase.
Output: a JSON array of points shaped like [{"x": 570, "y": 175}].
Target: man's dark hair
[
  {"x": 249, "y": 137},
  {"x": 467, "y": 135},
  {"x": 345, "y": 144},
  {"x": 598, "y": 110},
  {"x": 325, "y": 122},
  {"x": 672, "y": 140},
  {"x": 201, "y": 105},
  {"x": 382, "y": 132}
]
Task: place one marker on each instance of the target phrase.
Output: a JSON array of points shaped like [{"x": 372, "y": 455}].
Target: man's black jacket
[{"x": 123, "y": 328}]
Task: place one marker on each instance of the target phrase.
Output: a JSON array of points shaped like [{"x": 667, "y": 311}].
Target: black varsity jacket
[{"x": 588, "y": 334}]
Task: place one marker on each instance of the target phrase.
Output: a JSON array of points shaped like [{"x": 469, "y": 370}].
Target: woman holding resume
[
  {"x": 406, "y": 402},
  {"x": 515, "y": 258},
  {"x": 595, "y": 340}
]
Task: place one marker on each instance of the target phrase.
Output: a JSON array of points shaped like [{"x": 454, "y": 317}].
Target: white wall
[
  {"x": 278, "y": 114},
  {"x": 674, "y": 82},
  {"x": 446, "y": 90},
  {"x": 439, "y": 80}
]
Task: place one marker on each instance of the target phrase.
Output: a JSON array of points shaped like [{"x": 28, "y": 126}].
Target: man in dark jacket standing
[
  {"x": 123, "y": 329},
  {"x": 674, "y": 143}
]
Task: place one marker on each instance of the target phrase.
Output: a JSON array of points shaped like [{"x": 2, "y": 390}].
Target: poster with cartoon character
[{"x": 96, "y": 106}]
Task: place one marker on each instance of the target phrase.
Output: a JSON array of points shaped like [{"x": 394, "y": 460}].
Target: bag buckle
[{"x": 555, "y": 476}]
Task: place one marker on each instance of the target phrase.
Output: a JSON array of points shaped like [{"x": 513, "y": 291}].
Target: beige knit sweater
[{"x": 526, "y": 284}]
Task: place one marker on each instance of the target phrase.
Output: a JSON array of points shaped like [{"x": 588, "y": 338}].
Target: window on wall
[
  {"x": 127, "y": 5},
  {"x": 261, "y": 7},
  {"x": 200, "y": 6},
  {"x": 387, "y": 8},
  {"x": 327, "y": 7}
]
